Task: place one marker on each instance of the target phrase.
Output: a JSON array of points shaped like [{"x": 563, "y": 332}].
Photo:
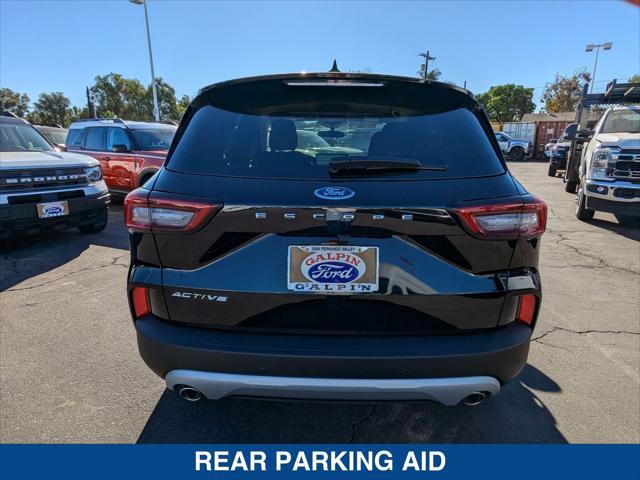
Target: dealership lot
[{"x": 70, "y": 370}]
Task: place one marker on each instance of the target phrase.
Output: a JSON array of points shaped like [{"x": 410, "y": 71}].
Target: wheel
[
  {"x": 570, "y": 187},
  {"x": 582, "y": 212},
  {"x": 516, "y": 154},
  {"x": 627, "y": 220},
  {"x": 144, "y": 179},
  {"x": 552, "y": 171},
  {"x": 98, "y": 226}
]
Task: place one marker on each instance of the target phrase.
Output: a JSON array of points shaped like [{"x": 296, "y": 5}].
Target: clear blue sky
[{"x": 55, "y": 45}]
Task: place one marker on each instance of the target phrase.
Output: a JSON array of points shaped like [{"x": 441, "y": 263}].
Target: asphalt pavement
[{"x": 70, "y": 369}]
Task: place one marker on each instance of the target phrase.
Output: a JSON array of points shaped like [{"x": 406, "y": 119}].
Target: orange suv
[{"x": 129, "y": 152}]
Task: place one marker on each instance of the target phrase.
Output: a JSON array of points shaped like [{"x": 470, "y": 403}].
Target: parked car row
[
  {"x": 43, "y": 189},
  {"x": 609, "y": 164},
  {"x": 51, "y": 178}
]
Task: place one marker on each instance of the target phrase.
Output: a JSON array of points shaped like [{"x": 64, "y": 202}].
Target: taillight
[
  {"x": 140, "y": 297},
  {"x": 526, "y": 308},
  {"x": 527, "y": 219},
  {"x": 161, "y": 212}
]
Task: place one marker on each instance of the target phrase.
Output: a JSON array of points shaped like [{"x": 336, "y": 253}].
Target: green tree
[
  {"x": 52, "y": 107},
  {"x": 182, "y": 106},
  {"x": 166, "y": 100},
  {"x": 635, "y": 78},
  {"x": 432, "y": 75},
  {"x": 128, "y": 98},
  {"x": 507, "y": 103},
  {"x": 14, "y": 102},
  {"x": 121, "y": 97},
  {"x": 563, "y": 94}
]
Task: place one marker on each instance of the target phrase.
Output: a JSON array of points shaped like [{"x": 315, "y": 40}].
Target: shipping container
[
  {"x": 520, "y": 130},
  {"x": 545, "y": 132}
]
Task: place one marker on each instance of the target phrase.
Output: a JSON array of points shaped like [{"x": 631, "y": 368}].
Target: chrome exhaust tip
[
  {"x": 190, "y": 394},
  {"x": 475, "y": 398}
]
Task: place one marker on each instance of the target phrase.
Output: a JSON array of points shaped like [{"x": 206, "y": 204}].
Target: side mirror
[
  {"x": 60, "y": 147},
  {"x": 119, "y": 148},
  {"x": 553, "y": 140}
]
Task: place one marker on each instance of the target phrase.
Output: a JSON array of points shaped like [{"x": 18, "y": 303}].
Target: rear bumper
[
  {"x": 22, "y": 218},
  {"x": 372, "y": 361},
  {"x": 448, "y": 391}
]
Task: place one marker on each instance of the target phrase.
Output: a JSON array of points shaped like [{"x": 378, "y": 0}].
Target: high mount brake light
[
  {"x": 146, "y": 211},
  {"x": 526, "y": 219}
]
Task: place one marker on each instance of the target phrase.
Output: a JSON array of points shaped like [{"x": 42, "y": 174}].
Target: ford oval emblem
[{"x": 334, "y": 193}]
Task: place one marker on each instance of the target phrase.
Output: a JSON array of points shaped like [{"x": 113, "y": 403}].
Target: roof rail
[
  {"x": 54, "y": 125},
  {"x": 114, "y": 120},
  {"x": 7, "y": 113}
]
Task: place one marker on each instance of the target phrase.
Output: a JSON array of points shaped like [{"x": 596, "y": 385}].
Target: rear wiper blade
[{"x": 367, "y": 165}]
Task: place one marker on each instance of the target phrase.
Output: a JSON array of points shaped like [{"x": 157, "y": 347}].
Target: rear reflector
[
  {"x": 161, "y": 212},
  {"x": 141, "y": 304},
  {"x": 508, "y": 220},
  {"x": 526, "y": 308}
]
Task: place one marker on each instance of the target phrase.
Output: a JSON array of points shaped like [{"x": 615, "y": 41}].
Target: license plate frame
[
  {"x": 333, "y": 269},
  {"x": 59, "y": 208}
]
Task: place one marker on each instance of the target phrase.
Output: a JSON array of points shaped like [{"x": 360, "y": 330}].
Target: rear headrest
[{"x": 283, "y": 135}]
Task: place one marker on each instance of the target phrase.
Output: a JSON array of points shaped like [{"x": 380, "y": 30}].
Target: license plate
[
  {"x": 53, "y": 209},
  {"x": 332, "y": 269}
]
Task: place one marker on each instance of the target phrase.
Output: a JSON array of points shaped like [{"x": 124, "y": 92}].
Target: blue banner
[{"x": 477, "y": 462}]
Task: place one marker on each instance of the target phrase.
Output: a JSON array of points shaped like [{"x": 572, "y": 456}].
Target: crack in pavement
[
  {"x": 580, "y": 332},
  {"x": 86, "y": 269},
  {"x": 357, "y": 423},
  {"x": 602, "y": 262}
]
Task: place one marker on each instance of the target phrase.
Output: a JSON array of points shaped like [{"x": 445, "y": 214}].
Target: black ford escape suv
[{"x": 403, "y": 270}]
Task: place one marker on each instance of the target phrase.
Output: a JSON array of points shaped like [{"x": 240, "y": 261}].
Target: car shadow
[
  {"x": 516, "y": 415},
  {"x": 632, "y": 232},
  {"x": 29, "y": 256}
]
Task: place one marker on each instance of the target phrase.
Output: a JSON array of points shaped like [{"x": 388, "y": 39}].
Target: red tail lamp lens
[
  {"x": 141, "y": 304},
  {"x": 526, "y": 308},
  {"x": 527, "y": 219},
  {"x": 161, "y": 212}
]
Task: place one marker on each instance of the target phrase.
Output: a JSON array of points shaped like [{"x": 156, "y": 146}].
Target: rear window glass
[
  {"x": 72, "y": 136},
  {"x": 154, "y": 138},
  {"x": 306, "y": 144}
]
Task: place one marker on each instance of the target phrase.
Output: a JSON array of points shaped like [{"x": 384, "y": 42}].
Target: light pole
[
  {"x": 156, "y": 109},
  {"x": 589, "y": 48}
]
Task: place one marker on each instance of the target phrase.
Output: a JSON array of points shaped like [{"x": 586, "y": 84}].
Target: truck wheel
[
  {"x": 552, "y": 171},
  {"x": 516, "y": 154},
  {"x": 627, "y": 220},
  {"x": 582, "y": 212},
  {"x": 570, "y": 187},
  {"x": 144, "y": 179},
  {"x": 99, "y": 225}
]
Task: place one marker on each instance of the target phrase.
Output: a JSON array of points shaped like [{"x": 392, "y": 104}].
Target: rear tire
[
  {"x": 516, "y": 154},
  {"x": 628, "y": 221},
  {"x": 570, "y": 187},
  {"x": 144, "y": 179},
  {"x": 99, "y": 225},
  {"x": 582, "y": 212},
  {"x": 552, "y": 171}
]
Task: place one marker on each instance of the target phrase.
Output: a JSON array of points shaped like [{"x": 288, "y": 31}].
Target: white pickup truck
[{"x": 610, "y": 167}]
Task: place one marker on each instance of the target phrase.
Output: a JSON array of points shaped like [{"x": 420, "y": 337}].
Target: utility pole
[
  {"x": 427, "y": 56},
  {"x": 589, "y": 48}
]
